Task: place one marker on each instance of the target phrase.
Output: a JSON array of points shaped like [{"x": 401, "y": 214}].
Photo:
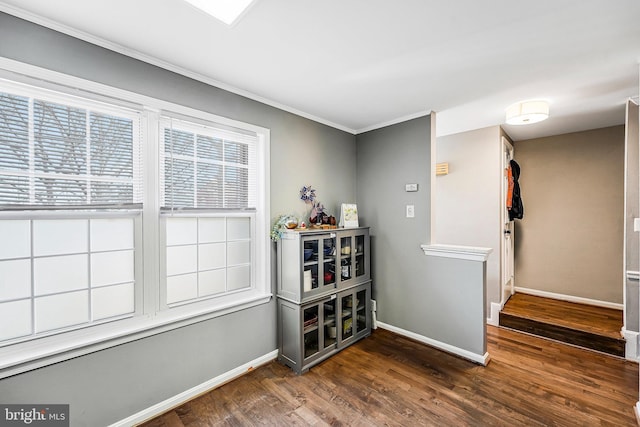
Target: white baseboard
[
  {"x": 494, "y": 318},
  {"x": 631, "y": 346},
  {"x": 482, "y": 359},
  {"x": 187, "y": 395},
  {"x": 570, "y": 298}
]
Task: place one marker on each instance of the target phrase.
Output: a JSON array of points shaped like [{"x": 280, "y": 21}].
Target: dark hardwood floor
[
  {"x": 387, "y": 379},
  {"x": 587, "y": 326}
]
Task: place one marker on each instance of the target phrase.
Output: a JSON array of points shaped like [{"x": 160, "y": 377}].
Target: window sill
[{"x": 22, "y": 357}]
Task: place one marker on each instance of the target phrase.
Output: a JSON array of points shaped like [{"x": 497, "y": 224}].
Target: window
[
  {"x": 59, "y": 152},
  {"x": 121, "y": 216},
  {"x": 210, "y": 175}
]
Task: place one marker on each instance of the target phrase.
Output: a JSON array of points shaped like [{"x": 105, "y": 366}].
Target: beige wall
[
  {"x": 467, "y": 200},
  {"x": 570, "y": 241}
]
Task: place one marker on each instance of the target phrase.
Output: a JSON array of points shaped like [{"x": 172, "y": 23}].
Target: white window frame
[
  {"x": 196, "y": 128},
  {"x": 153, "y": 315}
]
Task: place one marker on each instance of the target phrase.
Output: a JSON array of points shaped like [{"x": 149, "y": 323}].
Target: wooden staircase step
[{"x": 582, "y": 338}]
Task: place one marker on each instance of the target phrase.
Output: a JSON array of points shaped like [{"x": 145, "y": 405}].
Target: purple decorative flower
[{"x": 307, "y": 194}]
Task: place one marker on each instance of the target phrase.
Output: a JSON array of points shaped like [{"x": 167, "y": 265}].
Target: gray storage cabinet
[{"x": 324, "y": 293}]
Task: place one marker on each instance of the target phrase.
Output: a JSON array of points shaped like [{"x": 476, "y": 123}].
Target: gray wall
[
  {"x": 387, "y": 159},
  {"x": 571, "y": 238},
  {"x": 632, "y": 208},
  {"x": 110, "y": 385},
  {"x": 113, "y": 384},
  {"x": 423, "y": 295}
]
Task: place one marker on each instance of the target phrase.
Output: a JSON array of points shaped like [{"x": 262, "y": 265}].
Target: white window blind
[
  {"x": 60, "y": 152},
  {"x": 207, "y": 167}
]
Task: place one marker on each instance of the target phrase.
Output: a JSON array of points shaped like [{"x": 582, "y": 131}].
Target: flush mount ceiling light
[
  {"x": 527, "y": 112},
  {"x": 227, "y": 11}
]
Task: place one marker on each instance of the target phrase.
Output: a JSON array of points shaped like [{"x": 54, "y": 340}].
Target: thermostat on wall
[{"x": 411, "y": 187}]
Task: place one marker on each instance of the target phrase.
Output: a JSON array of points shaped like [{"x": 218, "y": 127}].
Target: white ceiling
[{"x": 360, "y": 64}]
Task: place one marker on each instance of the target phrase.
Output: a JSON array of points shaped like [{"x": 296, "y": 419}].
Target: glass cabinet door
[
  {"x": 345, "y": 258},
  {"x": 311, "y": 331},
  {"x": 361, "y": 310},
  {"x": 311, "y": 267},
  {"x": 346, "y": 316},
  {"x": 360, "y": 256},
  {"x": 328, "y": 261},
  {"x": 355, "y": 318},
  {"x": 330, "y": 330},
  {"x": 319, "y": 263}
]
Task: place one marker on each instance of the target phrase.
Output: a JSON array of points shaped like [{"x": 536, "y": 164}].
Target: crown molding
[
  {"x": 135, "y": 54},
  {"x": 394, "y": 121}
]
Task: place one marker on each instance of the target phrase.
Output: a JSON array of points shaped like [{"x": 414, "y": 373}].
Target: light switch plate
[
  {"x": 411, "y": 211},
  {"x": 636, "y": 224},
  {"x": 411, "y": 187}
]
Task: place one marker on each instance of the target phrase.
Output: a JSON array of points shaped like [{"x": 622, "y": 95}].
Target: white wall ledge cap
[{"x": 470, "y": 253}]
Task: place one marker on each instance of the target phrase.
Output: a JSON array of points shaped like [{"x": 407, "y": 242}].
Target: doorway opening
[{"x": 567, "y": 250}]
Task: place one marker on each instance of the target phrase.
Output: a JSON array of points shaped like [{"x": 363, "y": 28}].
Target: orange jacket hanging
[{"x": 509, "y": 187}]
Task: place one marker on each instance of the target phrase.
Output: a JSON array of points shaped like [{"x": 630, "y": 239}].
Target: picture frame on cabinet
[{"x": 349, "y": 215}]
